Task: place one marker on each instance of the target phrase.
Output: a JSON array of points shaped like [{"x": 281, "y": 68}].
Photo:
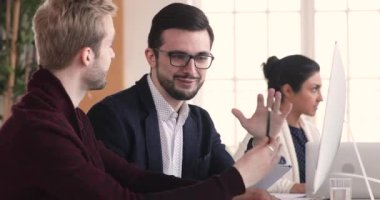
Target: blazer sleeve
[
  {"x": 221, "y": 160},
  {"x": 109, "y": 128}
]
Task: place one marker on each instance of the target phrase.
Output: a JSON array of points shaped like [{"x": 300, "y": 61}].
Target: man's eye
[
  {"x": 179, "y": 56},
  {"x": 202, "y": 58}
]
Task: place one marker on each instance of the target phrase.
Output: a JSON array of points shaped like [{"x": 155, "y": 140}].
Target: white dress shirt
[{"x": 171, "y": 132}]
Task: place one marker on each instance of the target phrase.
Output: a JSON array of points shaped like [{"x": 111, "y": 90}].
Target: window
[{"x": 247, "y": 32}]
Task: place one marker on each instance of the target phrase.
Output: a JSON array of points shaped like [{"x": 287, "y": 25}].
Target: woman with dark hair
[{"x": 298, "y": 79}]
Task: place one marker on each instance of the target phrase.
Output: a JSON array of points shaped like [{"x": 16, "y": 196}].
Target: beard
[
  {"x": 170, "y": 88},
  {"x": 95, "y": 78}
]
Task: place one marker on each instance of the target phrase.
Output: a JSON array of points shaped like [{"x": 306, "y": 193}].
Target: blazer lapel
[
  {"x": 190, "y": 147},
  {"x": 153, "y": 144},
  {"x": 152, "y": 133}
]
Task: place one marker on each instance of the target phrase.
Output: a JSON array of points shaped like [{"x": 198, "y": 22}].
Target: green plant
[{"x": 17, "y": 50}]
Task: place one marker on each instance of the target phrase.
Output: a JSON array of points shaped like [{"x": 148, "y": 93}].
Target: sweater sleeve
[
  {"x": 58, "y": 164},
  {"x": 161, "y": 186},
  {"x": 223, "y": 186}
]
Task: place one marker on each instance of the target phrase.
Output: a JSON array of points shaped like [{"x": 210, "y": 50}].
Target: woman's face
[{"x": 307, "y": 99}]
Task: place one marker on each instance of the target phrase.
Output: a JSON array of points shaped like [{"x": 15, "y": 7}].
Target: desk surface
[{"x": 285, "y": 196}]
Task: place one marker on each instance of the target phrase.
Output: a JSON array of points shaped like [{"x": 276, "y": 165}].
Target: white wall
[{"x": 138, "y": 15}]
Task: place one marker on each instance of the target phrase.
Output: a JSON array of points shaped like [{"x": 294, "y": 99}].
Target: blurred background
[{"x": 246, "y": 33}]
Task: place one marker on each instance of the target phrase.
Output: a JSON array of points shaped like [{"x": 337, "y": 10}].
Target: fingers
[
  {"x": 270, "y": 148},
  {"x": 277, "y": 156},
  {"x": 277, "y": 102},
  {"x": 262, "y": 143},
  {"x": 277, "y": 147},
  {"x": 260, "y": 101},
  {"x": 272, "y": 145},
  {"x": 270, "y": 98},
  {"x": 274, "y": 100},
  {"x": 239, "y": 115}
]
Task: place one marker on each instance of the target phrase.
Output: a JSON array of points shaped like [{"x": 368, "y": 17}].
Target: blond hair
[{"x": 63, "y": 27}]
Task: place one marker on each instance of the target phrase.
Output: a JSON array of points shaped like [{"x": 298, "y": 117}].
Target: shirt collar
[{"x": 164, "y": 110}]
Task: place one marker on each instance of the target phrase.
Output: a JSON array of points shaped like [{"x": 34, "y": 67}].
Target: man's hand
[
  {"x": 255, "y": 194},
  {"x": 257, "y": 162},
  {"x": 298, "y": 188},
  {"x": 257, "y": 124}
]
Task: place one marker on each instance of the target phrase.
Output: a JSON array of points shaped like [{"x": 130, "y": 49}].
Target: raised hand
[{"x": 256, "y": 125}]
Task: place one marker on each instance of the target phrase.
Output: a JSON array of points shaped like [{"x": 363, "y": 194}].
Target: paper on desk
[
  {"x": 277, "y": 172},
  {"x": 286, "y": 196}
]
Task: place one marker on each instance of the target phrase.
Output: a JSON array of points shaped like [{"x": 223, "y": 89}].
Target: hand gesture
[{"x": 258, "y": 125}]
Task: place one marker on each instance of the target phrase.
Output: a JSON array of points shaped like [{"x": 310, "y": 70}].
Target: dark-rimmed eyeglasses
[{"x": 182, "y": 59}]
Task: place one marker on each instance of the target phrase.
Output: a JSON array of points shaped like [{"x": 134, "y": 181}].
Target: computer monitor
[
  {"x": 346, "y": 164},
  {"x": 332, "y": 125}
]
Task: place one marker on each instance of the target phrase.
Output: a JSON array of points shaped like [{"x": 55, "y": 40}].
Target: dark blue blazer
[{"x": 127, "y": 123}]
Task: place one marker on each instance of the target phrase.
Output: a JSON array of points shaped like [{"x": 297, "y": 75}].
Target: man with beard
[{"x": 151, "y": 124}]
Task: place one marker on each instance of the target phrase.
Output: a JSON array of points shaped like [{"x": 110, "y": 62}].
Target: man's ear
[
  {"x": 150, "y": 57},
  {"x": 86, "y": 56}
]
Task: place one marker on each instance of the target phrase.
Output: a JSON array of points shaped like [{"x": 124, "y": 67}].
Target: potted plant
[{"x": 17, "y": 50}]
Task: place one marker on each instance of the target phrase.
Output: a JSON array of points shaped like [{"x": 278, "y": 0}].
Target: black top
[{"x": 299, "y": 140}]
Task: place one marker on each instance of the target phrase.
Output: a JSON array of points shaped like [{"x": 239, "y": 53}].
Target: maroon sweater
[{"x": 48, "y": 152}]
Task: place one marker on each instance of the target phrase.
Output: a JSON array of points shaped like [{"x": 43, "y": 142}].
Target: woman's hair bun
[{"x": 269, "y": 65}]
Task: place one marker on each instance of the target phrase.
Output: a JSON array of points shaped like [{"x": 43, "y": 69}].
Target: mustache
[{"x": 188, "y": 76}]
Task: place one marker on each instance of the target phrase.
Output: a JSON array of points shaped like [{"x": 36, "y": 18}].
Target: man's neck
[
  {"x": 174, "y": 103},
  {"x": 71, "y": 82}
]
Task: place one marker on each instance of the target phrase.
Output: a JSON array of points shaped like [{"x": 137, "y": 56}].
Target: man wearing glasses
[{"x": 150, "y": 123}]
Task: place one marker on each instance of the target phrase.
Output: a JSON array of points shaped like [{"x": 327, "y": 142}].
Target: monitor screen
[{"x": 333, "y": 120}]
